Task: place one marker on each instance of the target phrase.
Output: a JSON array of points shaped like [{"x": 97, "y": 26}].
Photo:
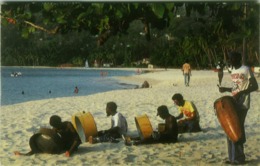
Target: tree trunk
[
  {"x": 244, "y": 57},
  {"x": 147, "y": 31}
]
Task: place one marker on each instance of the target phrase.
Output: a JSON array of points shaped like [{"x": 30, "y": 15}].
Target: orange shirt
[{"x": 186, "y": 68}]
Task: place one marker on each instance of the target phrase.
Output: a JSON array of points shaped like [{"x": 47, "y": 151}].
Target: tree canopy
[{"x": 167, "y": 33}]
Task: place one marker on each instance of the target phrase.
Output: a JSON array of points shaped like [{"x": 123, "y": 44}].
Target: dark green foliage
[{"x": 123, "y": 34}]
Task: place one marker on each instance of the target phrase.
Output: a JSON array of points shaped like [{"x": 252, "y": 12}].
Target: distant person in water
[
  {"x": 61, "y": 138},
  {"x": 118, "y": 127},
  {"x": 76, "y": 90},
  {"x": 103, "y": 73},
  {"x": 139, "y": 71}
]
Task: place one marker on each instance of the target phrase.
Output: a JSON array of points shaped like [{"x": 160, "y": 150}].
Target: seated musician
[
  {"x": 67, "y": 139},
  {"x": 188, "y": 119},
  {"x": 168, "y": 135}
]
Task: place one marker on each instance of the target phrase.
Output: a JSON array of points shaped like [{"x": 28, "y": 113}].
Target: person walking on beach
[
  {"x": 118, "y": 128},
  {"x": 220, "y": 68},
  {"x": 244, "y": 83},
  {"x": 186, "y": 69},
  {"x": 188, "y": 119},
  {"x": 168, "y": 135},
  {"x": 66, "y": 139}
]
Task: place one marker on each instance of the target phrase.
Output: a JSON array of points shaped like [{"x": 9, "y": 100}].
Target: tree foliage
[{"x": 120, "y": 33}]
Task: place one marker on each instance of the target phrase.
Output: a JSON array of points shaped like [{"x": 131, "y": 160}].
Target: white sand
[{"x": 20, "y": 121}]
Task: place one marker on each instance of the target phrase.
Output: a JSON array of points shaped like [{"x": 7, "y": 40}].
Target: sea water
[{"x": 45, "y": 83}]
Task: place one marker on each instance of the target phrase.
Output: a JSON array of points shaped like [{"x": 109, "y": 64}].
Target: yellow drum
[
  {"x": 227, "y": 116},
  {"x": 85, "y": 125},
  {"x": 143, "y": 126}
]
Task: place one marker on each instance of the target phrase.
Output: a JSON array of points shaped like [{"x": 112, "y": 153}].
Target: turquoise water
[{"x": 45, "y": 83}]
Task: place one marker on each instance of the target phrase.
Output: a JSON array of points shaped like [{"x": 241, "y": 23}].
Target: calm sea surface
[{"x": 45, "y": 83}]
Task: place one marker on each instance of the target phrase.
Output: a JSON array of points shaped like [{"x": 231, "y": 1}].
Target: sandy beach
[{"x": 20, "y": 121}]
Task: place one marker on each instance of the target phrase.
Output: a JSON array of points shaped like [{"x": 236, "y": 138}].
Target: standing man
[
  {"x": 188, "y": 119},
  {"x": 244, "y": 83},
  {"x": 186, "y": 69},
  {"x": 118, "y": 128}
]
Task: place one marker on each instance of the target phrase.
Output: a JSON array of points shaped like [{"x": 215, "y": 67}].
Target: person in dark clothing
[
  {"x": 68, "y": 134},
  {"x": 220, "y": 68},
  {"x": 168, "y": 135},
  {"x": 62, "y": 137},
  {"x": 145, "y": 84}
]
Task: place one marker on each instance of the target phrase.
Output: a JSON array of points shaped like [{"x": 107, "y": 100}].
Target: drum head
[
  {"x": 85, "y": 125},
  {"x": 144, "y": 127},
  {"x": 80, "y": 130},
  {"x": 43, "y": 143}
]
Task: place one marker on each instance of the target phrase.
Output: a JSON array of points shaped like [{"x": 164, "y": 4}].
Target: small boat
[{"x": 16, "y": 74}]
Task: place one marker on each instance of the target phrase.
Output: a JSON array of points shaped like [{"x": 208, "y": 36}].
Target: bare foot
[
  {"x": 17, "y": 153},
  {"x": 92, "y": 140}
]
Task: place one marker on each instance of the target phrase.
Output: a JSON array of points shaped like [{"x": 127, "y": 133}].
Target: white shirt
[
  {"x": 240, "y": 78},
  {"x": 118, "y": 120}
]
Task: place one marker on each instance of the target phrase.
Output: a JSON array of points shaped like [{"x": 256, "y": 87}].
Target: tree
[
  {"x": 105, "y": 19},
  {"x": 201, "y": 32}
]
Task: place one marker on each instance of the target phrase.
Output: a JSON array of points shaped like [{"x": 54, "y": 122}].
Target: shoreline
[
  {"x": 20, "y": 121},
  {"x": 91, "y": 68},
  {"x": 137, "y": 79}
]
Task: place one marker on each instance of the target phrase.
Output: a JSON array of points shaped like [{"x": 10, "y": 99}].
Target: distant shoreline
[{"x": 94, "y": 68}]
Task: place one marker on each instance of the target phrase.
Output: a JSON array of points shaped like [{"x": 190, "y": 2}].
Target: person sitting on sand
[
  {"x": 188, "y": 119},
  {"x": 118, "y": 128},
  {"x": 66, "y": 139},
  {"x": 68, "y": 134},
  {"x": 145, "y": 84},
  {"x": 168, "y": 135}
]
